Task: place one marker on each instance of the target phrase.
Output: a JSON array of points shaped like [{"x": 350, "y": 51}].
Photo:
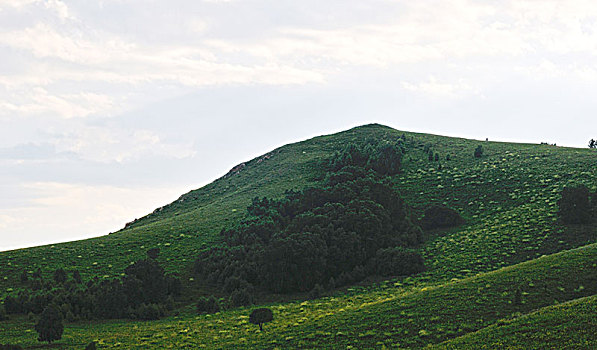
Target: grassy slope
[
  {"x": 509, "y": 198},
  {"x": 569, "y": 325},
  {"x": 399, "y": 316}
]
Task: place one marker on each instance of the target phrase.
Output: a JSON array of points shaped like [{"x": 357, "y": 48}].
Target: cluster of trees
[
  {"x": 144, "y": 292},
  {"x": 577, "y": 205},
  {"x": 384, "y": 158},
  {"x": 331, "y": 235}
]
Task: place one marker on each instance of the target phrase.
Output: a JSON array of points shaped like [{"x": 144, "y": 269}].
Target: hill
[
  {"x": 513, "y": 188},
  {"x": 508, "y": 198}
]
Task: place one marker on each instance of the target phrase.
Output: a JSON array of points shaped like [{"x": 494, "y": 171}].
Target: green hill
[{"x": 508, "y": 198}]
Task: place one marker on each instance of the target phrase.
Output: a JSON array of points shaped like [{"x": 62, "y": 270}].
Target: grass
[
  {"x": 405, "y": 315},
  {"x": 569, "y": 325}
]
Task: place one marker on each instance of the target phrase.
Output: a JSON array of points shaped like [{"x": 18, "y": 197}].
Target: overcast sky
[{"x": 109, "y": 109}]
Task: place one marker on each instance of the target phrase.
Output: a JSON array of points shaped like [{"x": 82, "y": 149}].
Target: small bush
[
  {"x": 207, "y": 305},
  {"x": 3, "y": 316},
  {"x": 147, "y": 312},
  {"x": 153, "y": 253},
  {"x": 241, "y": 297},
  {"x": 60, "y": 276},
  {"x": 316, "y": 292},
  {"x": 10, "y": 347},
  {"x": 440, "y": 217},
  {"x": 479, "y": 151}
]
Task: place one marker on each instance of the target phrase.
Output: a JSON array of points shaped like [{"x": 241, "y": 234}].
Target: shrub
[
  {"x": 397, "y": 261},
  {"x": 60, "y": 276},
  {"x": 479, "y": 151},
  {"x": 3, "y": 316},
  {"x": 147, "y": 312},
  {"x": 316, "y": 292},
  {"x": 207, "y": 305},
  {"x": 49, "y": 327},
  {"x": 261, "y": 316},
  {"x": 10, "y": 347},
  {"x": 574, "y": 205},
  {"x": 77, "y": 277},
  {"x": 440, "y": 217},
  {"x": 241, "y": 297},
  {"x": 153, "y": 253}
]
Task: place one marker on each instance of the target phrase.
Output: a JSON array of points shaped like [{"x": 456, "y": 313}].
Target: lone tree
[
  {"x": 261, "y": 316},
  {"x": 592, "y": 144},
  {"x": 49, "y": 327},
  {"x": 479, "y": 151}
]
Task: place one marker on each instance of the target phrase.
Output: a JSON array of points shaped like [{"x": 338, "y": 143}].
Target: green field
[{"x": 512, "y": 239}]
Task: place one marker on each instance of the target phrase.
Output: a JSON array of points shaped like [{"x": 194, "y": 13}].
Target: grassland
[{"x": 508, "y": 197}]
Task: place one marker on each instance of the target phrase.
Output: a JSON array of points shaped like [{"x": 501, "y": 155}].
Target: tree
[
  {"x": 60, "y": 276},
  {"x": 153, "y": 253},
  {"x": 77, "y": 277},
  {"x": 261, "y": 316},
  {"x": 207, "y": 305},
  {"x": 575, "y": 207},
  {"x": 479, "y": 151},
  {"x": 49, "y": 327},
  {"x": 592, "y": 144}
]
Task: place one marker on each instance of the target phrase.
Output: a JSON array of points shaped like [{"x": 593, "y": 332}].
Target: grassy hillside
[
  {"x": 397, "y": 316},
  {"x": 508, "y": 198},
  {"x": 569, "y": 325}
]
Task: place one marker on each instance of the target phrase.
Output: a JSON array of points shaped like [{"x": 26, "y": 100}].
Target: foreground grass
[
  {"x": 569, "y": 325},
  {"x": 407, "y": 315}
]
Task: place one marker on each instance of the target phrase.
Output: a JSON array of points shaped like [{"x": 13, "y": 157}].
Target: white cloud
[
  {"x": 40, "y": 102},
  {"x": 105, "y": 144},
  {"x": 441, "y": 89}
]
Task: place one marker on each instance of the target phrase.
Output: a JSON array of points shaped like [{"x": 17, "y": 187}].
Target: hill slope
[{"x": 508, "y": 197}]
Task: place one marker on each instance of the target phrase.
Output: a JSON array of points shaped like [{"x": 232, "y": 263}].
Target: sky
[{"x": 112, "y": 108}]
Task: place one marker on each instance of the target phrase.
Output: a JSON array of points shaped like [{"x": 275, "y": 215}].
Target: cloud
[
  {"x": 436, "y": 88},
  {"x": 39, "y": 101},
  {"x": 108, "y": 144}
]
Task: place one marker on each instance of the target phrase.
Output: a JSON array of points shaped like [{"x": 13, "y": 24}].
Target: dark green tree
[
  {"x": 261, "y": 316},
  {"x": 49, "y": 327},
  {"x": 479, "y": 151},
  {"x": 208, "y": 305},
  {"x": 592, "y": 144},
  {"x": 60, "y": 276},
  {"x": 77, "y": 277}
]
